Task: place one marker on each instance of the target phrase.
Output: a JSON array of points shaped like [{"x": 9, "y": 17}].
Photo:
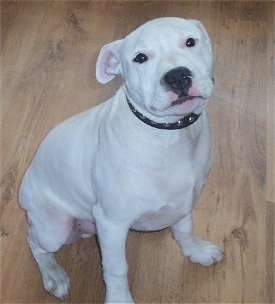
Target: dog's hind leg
[{"x": 46, "y": 235}]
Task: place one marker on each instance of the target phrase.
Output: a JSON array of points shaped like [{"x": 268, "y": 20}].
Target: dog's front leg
[
  {"x": 198, "y": 251},
  {"x": 112, "y": 238}
]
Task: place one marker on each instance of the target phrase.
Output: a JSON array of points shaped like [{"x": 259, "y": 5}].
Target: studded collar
[{"x": 184, "y": 122}]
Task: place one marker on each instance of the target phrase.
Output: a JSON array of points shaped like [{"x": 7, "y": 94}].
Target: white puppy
[{"x": 137, "y": 161}]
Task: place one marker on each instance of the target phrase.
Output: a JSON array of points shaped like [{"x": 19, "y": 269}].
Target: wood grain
[
  {"x": 49, "y": 51},
  {"x": 270, "y": 176}
]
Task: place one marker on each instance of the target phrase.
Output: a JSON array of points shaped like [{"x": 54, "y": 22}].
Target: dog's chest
[
  {"x": 166, "y": 197},
  {"x": 153, "y": 182}
]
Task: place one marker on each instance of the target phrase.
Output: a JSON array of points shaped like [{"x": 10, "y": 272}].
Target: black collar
[{"x": 184, "y": 122}]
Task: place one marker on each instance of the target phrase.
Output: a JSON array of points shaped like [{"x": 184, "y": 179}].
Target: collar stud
[
  {"x": 191, "y": 119},
  {"x": 180, "y": 123}
]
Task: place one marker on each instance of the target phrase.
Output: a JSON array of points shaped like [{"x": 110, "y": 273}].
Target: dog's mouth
[{"x": 183, "y": 99}]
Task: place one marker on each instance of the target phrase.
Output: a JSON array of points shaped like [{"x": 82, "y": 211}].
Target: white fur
[{"x": 104, "y": 171}]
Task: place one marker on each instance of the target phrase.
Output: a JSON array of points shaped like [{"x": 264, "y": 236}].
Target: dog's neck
[{"x": 184, "y": 122}]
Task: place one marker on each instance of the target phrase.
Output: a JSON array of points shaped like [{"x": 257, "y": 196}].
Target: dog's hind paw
[{"x": 203, "y": 252}]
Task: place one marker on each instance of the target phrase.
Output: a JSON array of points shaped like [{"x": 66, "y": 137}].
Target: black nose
[{"x": 179, "y": 80}]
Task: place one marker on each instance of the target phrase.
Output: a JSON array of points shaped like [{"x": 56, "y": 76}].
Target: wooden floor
[{"x": 49, "y": 50}]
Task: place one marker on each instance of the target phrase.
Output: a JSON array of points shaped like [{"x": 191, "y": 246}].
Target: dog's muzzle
[{"x": 179, "y": 80}]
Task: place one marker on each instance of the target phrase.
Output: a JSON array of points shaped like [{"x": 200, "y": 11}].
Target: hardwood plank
[
  {"x": 49, "y": 50},
  {"x": 270, "y": 258},
  {"x": 270, "y": 176},
  {"x": 16, "y": 42}
]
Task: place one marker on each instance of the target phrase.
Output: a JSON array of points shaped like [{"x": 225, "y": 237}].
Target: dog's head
[{"x": 166, "y": 64}]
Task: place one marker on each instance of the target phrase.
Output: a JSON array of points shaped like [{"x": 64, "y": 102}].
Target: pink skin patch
[
  {"x": 81, "y": 229},
  {"x": 171, "y": 96},
  {"x": 186, "y": 103}
]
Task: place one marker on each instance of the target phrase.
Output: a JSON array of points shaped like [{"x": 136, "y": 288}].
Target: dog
[{"x": 137, "y": 161}]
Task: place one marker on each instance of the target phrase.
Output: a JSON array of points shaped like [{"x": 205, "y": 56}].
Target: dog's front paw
[
  {"x": 56, "y": 280},
  {"x": 203, "y": 252},
  {"x": 119, "y": 297}
]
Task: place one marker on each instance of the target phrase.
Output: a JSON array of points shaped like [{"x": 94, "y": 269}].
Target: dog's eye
[
  {"x": 140, "y": 58},
  {"x": 190, "y": 42}
]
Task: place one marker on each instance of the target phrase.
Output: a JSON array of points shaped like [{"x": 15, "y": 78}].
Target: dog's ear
[{"x": 108, "y": 64}]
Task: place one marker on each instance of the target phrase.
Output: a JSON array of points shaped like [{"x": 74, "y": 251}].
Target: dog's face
[{"x": 166, "y": 64}]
